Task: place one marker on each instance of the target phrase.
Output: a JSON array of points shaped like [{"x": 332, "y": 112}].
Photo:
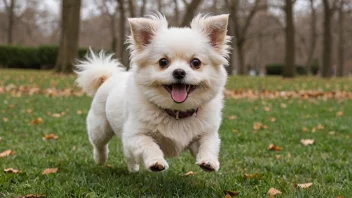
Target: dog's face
[{"x": 179, "y": 68}]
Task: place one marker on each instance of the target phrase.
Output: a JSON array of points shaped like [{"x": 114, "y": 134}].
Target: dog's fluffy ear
[
  {"x": 143, "y": 30},
  {"x": 215, "y": 27}
]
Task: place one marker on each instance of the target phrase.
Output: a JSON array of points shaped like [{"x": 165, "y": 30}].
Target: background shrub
[
  {"x": 42, "y": 57},
  {"x": 277, "y": 69}
]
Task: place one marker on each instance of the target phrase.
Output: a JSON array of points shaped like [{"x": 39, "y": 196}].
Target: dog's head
[{"x": 179, "y": 68}]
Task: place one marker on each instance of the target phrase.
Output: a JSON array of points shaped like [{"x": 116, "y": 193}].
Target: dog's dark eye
[
  {"x": 163, "y": 62},
  {"x": 195, "y": 63}
]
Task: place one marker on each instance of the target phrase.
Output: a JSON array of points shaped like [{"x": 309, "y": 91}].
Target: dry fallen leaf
[
  {"x": 273, "y": 191},
  {"x": 252, "y": 176},
  {"x": 283, "y": 105},
  {"x": 320, "y": 127},
  {"x": 339, "y": 114},
  {"x": 5, "y": 119},
  {"x": 50, "y": 137},
  {"x": 259, "y": 125},
  {"x": 304, "y": 129},
  {"x": 7, "y": 153},
  {"x": 314, "y": 130},
  {"x": 228, "y": 196},
  {"x": 277, "y": 157},
  {"x": 235, "y": 130},
  {"x": 79, "y": 112},
  {"x": 12, "y": 170},
  {"x": 272, "y": 119},
  {"x": 189, "y": 173},
  {"x": 73, "y": 148},
  {"x": 267, "y": 109},
  {"x": 49, "y": 170},
  {"x": 109, "y": 165},
  {"x": 0, "y": 139},
  {"x": 304, "y": 186},
  {"x": 56, "y": 115},
  {"x": 37, "y": 121},
  {"x": 307, "y": 142},
  {"x": 231, "y": 193},
  {"x": 233, "y": 117},
  {"x": 33, "y": 196},
  {"x": 273, "y": 147}
]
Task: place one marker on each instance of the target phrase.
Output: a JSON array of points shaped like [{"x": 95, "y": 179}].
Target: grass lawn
[{"x": 327, "y": 163}]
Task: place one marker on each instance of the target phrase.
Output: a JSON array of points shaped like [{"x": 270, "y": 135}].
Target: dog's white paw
[
  {"x": 157, "y": 165},
  {"x": 208, "y": 165}
]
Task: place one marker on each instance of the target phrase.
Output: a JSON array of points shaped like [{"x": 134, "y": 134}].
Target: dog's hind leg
[{"x": 99, "y": 133}]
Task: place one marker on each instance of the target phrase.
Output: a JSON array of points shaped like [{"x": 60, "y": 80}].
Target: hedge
[
  {"x": 277, "y": 69},
  {"x": 42, "y": 57}
]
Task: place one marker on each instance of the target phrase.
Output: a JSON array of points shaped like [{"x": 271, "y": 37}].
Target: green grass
[{"x": 327, "y": 163}]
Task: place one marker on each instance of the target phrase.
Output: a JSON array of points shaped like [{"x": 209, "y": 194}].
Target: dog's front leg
[
  {"x": 141, "y": 146},
  {"x": 207, "y": 152}
]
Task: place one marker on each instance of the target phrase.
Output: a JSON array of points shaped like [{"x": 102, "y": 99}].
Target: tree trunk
[
  {"x": 242, "y": 70},
  {"x": 10, "y": 9},
  {"x": 68, "y": 49},
  {"x": 177, "y": 12},
  {"x": 190, "y": 10},
  {"x": 113, "y": 32},
  {"x": 289, "y": 67},
  {"x": 144, "y": 4},
  {"x": 341, "y": 41},
  {"x": 313, "y": 37},
  {"x": 327, "y": 67},
  {"x": 121, "y": 41},
  {"x": 131, "y": 8}
]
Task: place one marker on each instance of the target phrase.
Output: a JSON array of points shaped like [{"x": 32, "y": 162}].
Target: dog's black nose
[{"x": 179, "y": 73}]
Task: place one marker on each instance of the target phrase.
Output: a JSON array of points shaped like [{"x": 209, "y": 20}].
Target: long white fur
[{"x": 131, "y": 104}]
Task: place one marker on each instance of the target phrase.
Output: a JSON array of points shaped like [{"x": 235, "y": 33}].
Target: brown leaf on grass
[
  {"x": 339, "y": 114},
  {"x": 50, "y": 136},
  {"x": 0, "y": 139},
  {"x": 228, "y": 196},
  {"x": 189, "y": 173},
  {"x": 339, "y": 197},
  {"x": 56, "y": 115},
  {"x": 235, "y": 130},
  {"x": 32, "y": 196},
  {"x": 5, "y": 119},
  {"x": 277, "y": 157},
  {"x": 272, "y": 119},
  {"x": 231, "y": 193},
  {"x": 252, "y": 176},
  {"x": 304, "y": 129},
  {"x": 37, "y": 121},
  {"x": 258, "y": 126},
  {"x": 49, "y": 170},
  {"x": 283, "y": 105},
  {"x": 12, "y": 170},
  {"x": 7, "y": 153},
  {"x": 288, "y": 155},
  {"x": 233, "y": 117},
  {"x": 304, "y": 186},
  {"x": 79, "y": 112},
  {"x": 267, "y": 109},
  {"x": 320, "y": 127},
  {"x": 314, "y": 130},
  {"x": 273, "y": 191},
  {"x": 109, "y": 165},
  {"x": 73, "y": 148},
  {"x": 29, "y": 111},
  {"x": 307, "y": 142},
  {"x": 273, "y": 147}
]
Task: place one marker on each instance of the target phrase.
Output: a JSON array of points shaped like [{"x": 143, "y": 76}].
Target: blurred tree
[
  {"x": 190, "y": 11},
  {"x": 313, "y": 36},
  {"x": 329, "y": 9},
  {"x": 68, "y": 49},
  {"x": 240, "y": 28},
  {"x": 341, "y": 39},
  {"x": 289, "y": 67},
  {"x": 10, "y": 11},
  {"x": 122, "y": 32}
]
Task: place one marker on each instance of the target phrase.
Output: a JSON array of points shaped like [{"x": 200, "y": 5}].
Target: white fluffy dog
[{"x": 171, "y": 99}]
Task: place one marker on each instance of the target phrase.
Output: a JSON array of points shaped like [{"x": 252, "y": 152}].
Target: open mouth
[{"x": 179, "y": 91}]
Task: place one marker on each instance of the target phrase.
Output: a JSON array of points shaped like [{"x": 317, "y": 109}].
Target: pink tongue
[{"x": 179, "y": 92}]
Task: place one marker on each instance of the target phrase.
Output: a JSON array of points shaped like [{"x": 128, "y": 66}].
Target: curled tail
[{"x": 94, "y": 70}]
